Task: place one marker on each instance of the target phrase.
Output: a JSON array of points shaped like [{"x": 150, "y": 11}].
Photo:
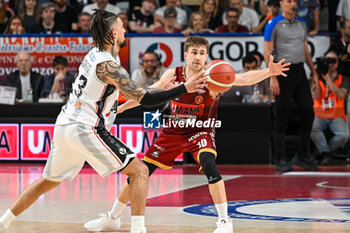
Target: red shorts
[{"x": 167, "y": 147}]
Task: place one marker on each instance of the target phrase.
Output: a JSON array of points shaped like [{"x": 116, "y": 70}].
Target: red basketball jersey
[{"x": 201, "y": 106}]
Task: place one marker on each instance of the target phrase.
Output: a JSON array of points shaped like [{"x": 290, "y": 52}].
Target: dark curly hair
[{"x": 101, "y": 22}]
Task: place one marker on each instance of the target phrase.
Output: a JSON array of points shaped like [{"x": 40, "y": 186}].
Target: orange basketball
[{"x": 221, "y": 75}]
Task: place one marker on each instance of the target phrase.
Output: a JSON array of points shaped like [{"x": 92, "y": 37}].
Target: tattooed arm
[{"x": 114, "y": 74}]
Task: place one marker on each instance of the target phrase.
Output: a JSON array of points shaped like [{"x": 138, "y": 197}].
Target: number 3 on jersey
[
  {"x": 79, "y": 84},
  {"x": 202, "y": 143}
]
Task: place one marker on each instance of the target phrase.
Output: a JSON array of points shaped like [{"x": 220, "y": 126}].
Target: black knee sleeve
[
  {"x": 151, "y": 169},
  {"x": 207, "y": 161}
]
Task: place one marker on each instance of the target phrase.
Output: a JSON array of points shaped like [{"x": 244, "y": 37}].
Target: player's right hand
[{"x": 196, "y": 83}]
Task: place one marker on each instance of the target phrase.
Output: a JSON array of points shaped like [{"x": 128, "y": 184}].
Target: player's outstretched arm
[
  {"x": 114, "y": 74},
  {"x": 255, "y": 76},
  {"x": 161, "y": 83}
]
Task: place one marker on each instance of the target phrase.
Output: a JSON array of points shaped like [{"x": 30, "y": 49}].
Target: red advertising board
[
  {"x": 44, "y": 49},
  {"x": 9, "y": 142}
]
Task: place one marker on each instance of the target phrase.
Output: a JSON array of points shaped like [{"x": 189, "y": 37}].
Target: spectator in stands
[
  {"x": 83, "y": 23},
  {"x": 5, "y": 15},
  {"x": 47, "y": 24},
  {"x": 258, "y": 92},
  {"x": 196, "y": 25},
  {"x": 329, "y": 93},
  {"x": 259, "y": 6},
  {"x": 342, "y": 48},
  {"x": 186, "y": 8},
  {"x": 169, "y": 22},
  {"x": 310, "y": 11},
  {"x": 29, "y": 13},
  {"x": 29, "y": 84},
  {"x": 181, "y": 18},
  {"x": 343, "y": 10},
  {"x": 273, "y": 10},
  {"x": 60, "y": 82},
  {"x": 150, "y": 69},
  {"x": 192, "y": 4},
  {"x": 211, "y": 15},
  {"x": 247, "y": 17},
  {"x": 232, "y": 17},
  {"x": 141, "y": 21},
  {"x": 66, "y": 14},
  {"x": 125, "y": 20},
  {"x": 14, "y": 26},
  {"x": 101, "y": 5}
]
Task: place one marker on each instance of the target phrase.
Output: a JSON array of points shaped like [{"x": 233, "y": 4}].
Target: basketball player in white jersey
[{"x": 82, "y": 128}]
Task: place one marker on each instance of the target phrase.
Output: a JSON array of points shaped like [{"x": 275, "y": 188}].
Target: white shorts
[{"x": 74, "y": 144}]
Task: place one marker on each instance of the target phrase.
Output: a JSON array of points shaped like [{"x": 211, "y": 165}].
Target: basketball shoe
[
  {"x": 104, "y": 222},
  {"x": 3, "y": 229},
  {"x": 224, "y": 226}
]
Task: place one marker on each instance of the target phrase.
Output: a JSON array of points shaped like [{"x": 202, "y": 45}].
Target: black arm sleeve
[{"x": 154, "y": 99}]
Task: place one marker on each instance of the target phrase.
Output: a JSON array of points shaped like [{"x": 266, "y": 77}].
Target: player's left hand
[{"x": 278, "y": 68}]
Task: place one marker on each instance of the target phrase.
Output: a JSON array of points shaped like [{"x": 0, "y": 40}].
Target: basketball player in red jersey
[{"x": 198, "y": 140}]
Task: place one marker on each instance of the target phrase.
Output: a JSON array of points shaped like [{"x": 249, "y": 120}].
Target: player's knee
[{"x": 207, "y": 161}]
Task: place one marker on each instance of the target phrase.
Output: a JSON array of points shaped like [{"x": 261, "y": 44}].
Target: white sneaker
[
  {"x": 104, "y": 222},
  {"x": 224, "y": 226},
  {"x": 144, "y": 230},
  {"x": 3, "y": 229}
]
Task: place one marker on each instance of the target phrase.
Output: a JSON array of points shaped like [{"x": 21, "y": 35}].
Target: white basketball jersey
[{"x": 91, "y": 101}]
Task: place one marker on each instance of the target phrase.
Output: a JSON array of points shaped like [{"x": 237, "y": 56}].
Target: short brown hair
[{"x": 195, "y": 41}]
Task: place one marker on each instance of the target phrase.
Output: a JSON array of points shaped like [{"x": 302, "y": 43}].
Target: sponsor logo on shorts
[
  {"x": 155, "y": 154},
  {"x": 122, "y": 151},
  {"x": 298, "y": 210}
]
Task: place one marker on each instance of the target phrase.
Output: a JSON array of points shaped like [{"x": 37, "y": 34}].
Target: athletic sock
[
  {"x": 117, "y": 209},
  {"x": 222, "y": 210},
  {"x": 7, "y": 218},
  {"x": 137, "y": 223}
]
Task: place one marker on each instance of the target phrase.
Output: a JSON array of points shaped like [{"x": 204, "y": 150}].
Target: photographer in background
[
  {"x": 342, "y": 48},
  {"x": 329, "y": 93},
  {"x": 150, "y": 69}
]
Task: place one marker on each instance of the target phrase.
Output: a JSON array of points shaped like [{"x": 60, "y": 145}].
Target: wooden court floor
[{"x": 260, "y": 200}]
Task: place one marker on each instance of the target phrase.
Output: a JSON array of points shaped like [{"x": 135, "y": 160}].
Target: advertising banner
[
  {"x": 44, "y": 49},
  {"x": 230, "y": 49},
  {"x": 9, "y": 142}
]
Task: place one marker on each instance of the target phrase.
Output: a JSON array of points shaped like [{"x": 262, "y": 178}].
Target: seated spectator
[
  {"x": 47, "y": 24},
  {"x": 193, "y": 5},
  {"x": 125, "y": 21},
  {"x": 181, "y": 18},
  {"x": 150, "y": 69},
  {"x": 273, "y": 10},
  {"x": 196, "y": 25},
  {"x": 260, "y": 91},
  {"x": 186, "y": 8},
  {"x": 5, "y": 15},
  {"x": 84, "y": 23},
  {"x": 310, "y": 11},
  {"x": 211, "y": 15},
  {"x": 29, "y": 84},
  {"x": 343, "y": 10},
  {"x": 101, "y": 5},
  {"x": 66, "y": 14},
  {"x": 169, "y": 22},
  {"x": 60, "y": 82},
  {"x": 259, "y": 57},
  {"x": 29, "y": 13},
  {"x": 329, "y": 93},
  {"x": 247, "y": 17},
  {"x": 232, "y": 17},
  {"x": 14, "y": 26},
  {"x": 141, "y": 21},
  {"x": 342, "y": 48}
]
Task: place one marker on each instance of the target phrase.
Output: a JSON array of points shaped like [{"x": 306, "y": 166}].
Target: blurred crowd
[{"x": 166, "y": 16}]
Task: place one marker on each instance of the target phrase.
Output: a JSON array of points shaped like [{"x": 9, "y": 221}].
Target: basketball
[{"x": 221, "y": 75}]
